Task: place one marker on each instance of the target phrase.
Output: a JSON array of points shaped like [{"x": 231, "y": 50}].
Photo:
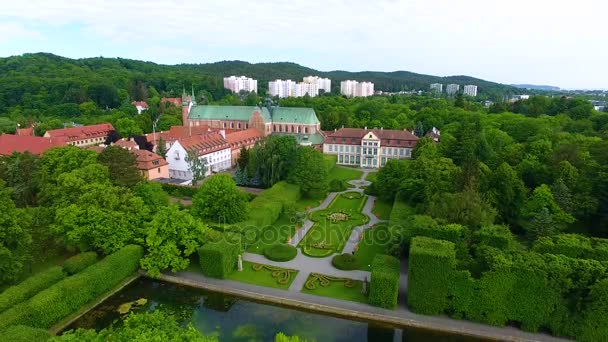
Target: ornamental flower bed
[{"x": 338, "y": 217}]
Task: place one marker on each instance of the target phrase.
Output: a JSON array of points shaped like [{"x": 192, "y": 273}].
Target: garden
[
  {"x": 335, "y": 287},
  {"x": 375, "y": 241},
  {"x": 264, "y": 275},
  {"x": 332, "y": 226}
]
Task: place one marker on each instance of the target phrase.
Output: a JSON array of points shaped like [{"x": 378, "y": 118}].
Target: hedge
[
  {"x": 280, "y": 252},
  {"x": 574, "y": 246},
  {"x": 346, "y": 262},
  {"x": 70, "y": 294},
  {"x": 400, "y": 214},
  {"x": 23, "y": 333},
  {"x": 384, "y": 283},
  {"x": 496, "y": 236},
  {"x": 179, "y": 190},
  {"x": 431, "y": 265},
  {"x": 218, "y": 259},
  {"x": 79, "y": 262},
  {"x": 29, "y": 287}
]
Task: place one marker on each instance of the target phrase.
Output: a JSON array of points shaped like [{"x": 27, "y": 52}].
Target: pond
[{"x": 233, "y": 319}]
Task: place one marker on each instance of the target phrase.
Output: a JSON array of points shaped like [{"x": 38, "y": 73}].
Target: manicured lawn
[
  {"x": 382, "y": 209},
  {"x": 343, "y": 202},
  {"x": 375, "y": 240},
  {"x": 334, "y": 289},
  {"x": 282, "y": 229},
  {"x": 371, "y": 177},
  {"x": 308, "y": 203},
  {"x": 264, "y": 276},
  {"x": 344, "y": 173}
]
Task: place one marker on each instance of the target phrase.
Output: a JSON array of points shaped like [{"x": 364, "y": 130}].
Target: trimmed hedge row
[
  {"x": 567, "y": 296},
  {"x": 384, "y": 283},
  {"x": 346, "y": 262},
  {"x": 280, "y": 252},
  {"x": 79, "y": 262},
  {"x": 219, "y": 259},
  {"x": 574, "y": 246},
  {"x": 29, "y": 287},
  {"x": 496, "y": 236},
  {"x": 69, "y": 295},
  {"x": 179, "y": 190},
  {"x": 400, "y": 214},
  {"x": 23, "y": 333}
]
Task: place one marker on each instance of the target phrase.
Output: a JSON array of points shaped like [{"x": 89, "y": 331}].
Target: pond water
[{"x": 233, "y": 319}]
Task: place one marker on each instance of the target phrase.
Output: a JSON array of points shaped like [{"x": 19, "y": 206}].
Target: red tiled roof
[
  {"x": 246, "y": 137},
  {"x": 141, "y": 104},
  {"x": 177, "y": 101},
  {"x": 35, "y": 145},
  {"x": 388, "y": 137},
  {"x": 177, "y": 132},
  {"x": 127, "y": 144},
  {"x": 26, "y": 131},
  {"x": 80, "y": 133},
  {"x": 147, "y": 160},
  {"x": 205, "y": 144}
]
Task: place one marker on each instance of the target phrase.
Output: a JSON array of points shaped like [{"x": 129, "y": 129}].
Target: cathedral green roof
[
  {"x": 243, "y": 113},
  {"x": 295, "y": 115}
]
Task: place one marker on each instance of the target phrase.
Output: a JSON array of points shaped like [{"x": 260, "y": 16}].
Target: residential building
[
  {"x": 151, "y": 165},
  {"x": 289, "y": 88},
  {"x": 322, "y": 83},
  {"x": 174, "y": 133},
  {"x": 516, "y": 98},
  {"x": 434, "y": 134},
  {"x": 10, "y": 143},
  {"x": 355, "y": 89},
  {"x": 369, "y": 148},
  {"x": 140, "y": 106},
  {"x": 236, "y": 84},
  {"x": 176, "y": 101},
  {"x": 437, "y": 88},
  {"x": 470, "y": 90},
  {"x": 82, "y": 136},
  {"x": 239, "y": 139},
  {"x": 212, "y": 148},
  {"x": 452, "y": 89}
]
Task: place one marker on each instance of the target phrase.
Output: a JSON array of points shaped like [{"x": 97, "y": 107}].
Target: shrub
[
  {"x": 29, "y": 287},
  {"x": 595, "y": 322},
  {"x": 23, "y": 333},
  {"x": 280, "y": 252},
  {"x": 346, "y": 262},
  {"x": 431, "y": 265},
  {"x": 495, "y": 236},
  {"x": 384, "y": 283},
  {"x": 79, "y": 262},
  {"x": 218, "y": 259},
  {"x": 574, "y": 246},
  {"x": 69, "y": 295},
  {"x": 337, "y": 185},
  {"x": 179, "y": 190}
]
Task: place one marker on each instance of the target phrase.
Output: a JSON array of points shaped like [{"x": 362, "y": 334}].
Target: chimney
[
  {"x": 382, "y": 128},
  {"x": 366, "y": 128},
  {"x": 335, "y": 130}
]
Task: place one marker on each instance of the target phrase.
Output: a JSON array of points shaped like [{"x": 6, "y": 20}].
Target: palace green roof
[{"x": 243, "y": 113}]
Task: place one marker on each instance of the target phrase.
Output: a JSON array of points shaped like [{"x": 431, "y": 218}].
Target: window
[
  {"x": 352, "y": 149},
  {"x": 395, "y": 151},
  {"x": 232, "y": 125},
  {"x": 305, "y": 130},
  {"x": 224, "y": 125},
  {"x": 358, "y": 149},
  {"x": 155, "y": 162},
  {"x": 352, "y": 159},
  {"x": 401, "y": 152},
  {"x": 239, "y": 125},
  {"x": 340, "y": 158},
  {"x": 159, "y": 170},
  {"x": 359, "y": 160}
]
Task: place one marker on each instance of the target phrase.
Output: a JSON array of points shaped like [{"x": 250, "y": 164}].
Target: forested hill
[{"x": 40, "y": 80}]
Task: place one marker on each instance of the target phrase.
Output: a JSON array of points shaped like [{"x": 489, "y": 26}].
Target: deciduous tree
[{"x": 220, "y": 200}]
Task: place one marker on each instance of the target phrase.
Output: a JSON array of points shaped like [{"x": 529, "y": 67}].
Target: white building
[
  {"x": 303, "y": 89},
  {"x": 355, "y": 89},
  {"x": 322, "y": 83},
  {"x": 437, "y": 87},
  {"x": 212, "y": 148},
  {"x": 369, "y": 148},
  {"x": 236, "y": 84},
  {"x": 470, "y": 90},
  {"x": 289, "y": 88},
  {"x": 452, "y": 89}
]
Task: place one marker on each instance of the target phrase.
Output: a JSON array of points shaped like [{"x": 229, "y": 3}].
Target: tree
[
  {"x": 467, "y": 208},
  {"x": 15, "y": 241},
  {"x": 419, "y": 129},
  {"x": 19, "y": 171},
  {"x": 220, "y": 200},
  {"x": 127, "y": 127},
  {"x": 153, "y": 195},
  {"x": 122, "y": 166},
  {"x": 542, "y": 216},
  {"x": 197, "y": 166},
  {"x": 309, "y": 172},
  {"x": 161, "y": 149},
  {"x": 271, "y": 159},
  {"x": 171, "y": 237},
  {"x": 460, "y": 102},
  {"x": 243, "y": 159},
  {"x": 507, "y": 193}
]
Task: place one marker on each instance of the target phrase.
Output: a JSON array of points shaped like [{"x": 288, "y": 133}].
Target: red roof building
[
  {"x": 18, "y": 143},
  {"x": 151, "y": 165},
  {"x": 369, "y": 147},
  {"x": 240, "y": 139},
  {"x": 82, "y": 136},
  {"x": 140, "y": 106},
  {"x": 212, "y": 148},
  {"x": 176, "y": 101},
  {"x": 28, "y": 132}
]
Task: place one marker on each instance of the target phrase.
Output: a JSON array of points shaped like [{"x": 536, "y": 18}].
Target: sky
[{"x": 550, "y": 42}]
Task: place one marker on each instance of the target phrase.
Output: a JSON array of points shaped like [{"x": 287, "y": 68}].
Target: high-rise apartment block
[
  {"x": 452, "y": 89},
  {"x": 322, "y": 83},
  {"x": 355, "y": 89},
  {"x": 470, "y": 90},
  {"x": 289, "y": 88},
  {"x": 437, "y": 87},
  {"x": 236, "y": 84}
]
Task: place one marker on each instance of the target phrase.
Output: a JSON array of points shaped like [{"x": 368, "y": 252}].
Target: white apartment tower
[
  {"x": 322, "y": 83},
  {"x": 355, "y": 89},
  {"x": 289, "y": 88},
  {"x": 452, "y": 89},
  {"x": 437, "y": 87},
  {"x": 470, "y": 90},
  {"x": 236, "y": 84}
]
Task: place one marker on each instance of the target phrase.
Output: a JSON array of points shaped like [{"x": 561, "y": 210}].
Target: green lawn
[
  {"x": 375, "y": 240},
  {"x": 282, "y": 229},
  {"x": 343, "y": 202},
  {"x": 264, "y": 277},
  {"x": 371, "y": 177},
  {"x": 307, "y": 203},
  {"x": 382, "y": 209},
  {"x": 335, "y": 289},
  {"x": 344, "y": 173}
]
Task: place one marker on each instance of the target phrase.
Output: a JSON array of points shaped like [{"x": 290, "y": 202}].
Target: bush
[
  {"x": 79, "y": 262},
  {"x": 346, "y": 262},
  {"x": 23, "y": 333},
  {"x": 431, "y": 265},
  {"x": 179, "y": 190},
  {"x": 218, "y": 259},
  {"x": 69, "y": 295},
  {"x": 495, "y": 236},
  {"x": 384, "y": 283},
  {"x": 280, "y": 252},
  {"x": 337, "y": 185},
  {"x": 574, "y": 246},
  {"x": 29, "y": 287}
]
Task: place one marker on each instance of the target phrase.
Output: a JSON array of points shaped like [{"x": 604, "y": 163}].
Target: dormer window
[{"x": 176, "y": 155}]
